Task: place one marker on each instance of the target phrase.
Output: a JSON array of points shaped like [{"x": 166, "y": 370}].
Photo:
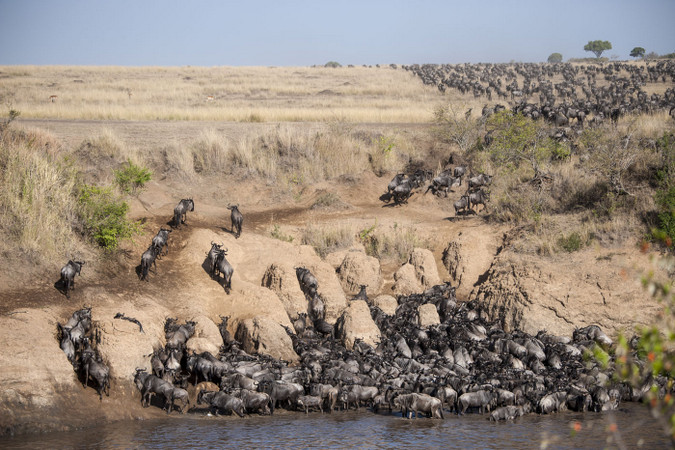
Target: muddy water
[{"x": 635, "y": 428}]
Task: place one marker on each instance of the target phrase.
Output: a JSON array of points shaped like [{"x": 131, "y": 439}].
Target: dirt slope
[{"x": 39, "y": 390}]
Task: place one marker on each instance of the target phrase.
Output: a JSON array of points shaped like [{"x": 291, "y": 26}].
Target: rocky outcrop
[
  {"x": 469, "y": 256},
  {"x": 428, "y": 316},
  {"x": 360, "y": 269},
  {"x": 425, "y": 267},
  {"x": 562, "y": 293},
  {"x": 207, "y": 337},
  {"x": 329, "y": 289},
  {"x": 406, "y": 282},
  {"x": 264, "y": 335},
  {"x": 356, "y": 323},
  {"x": 418, "y": 274},
  {"x": 386, "y": 303},
  {"x": 281, "y": 278}
]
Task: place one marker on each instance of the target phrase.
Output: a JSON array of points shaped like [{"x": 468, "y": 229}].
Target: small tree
[
  {"x": 332, "y": 64},
  {"x": 637, "y": 52},
  {"x": 598, "y": 47},
  {"x": 555, "y": 58}
]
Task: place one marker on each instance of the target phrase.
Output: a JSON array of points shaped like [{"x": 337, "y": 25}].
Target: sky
[{"x": 304, "y": 33}]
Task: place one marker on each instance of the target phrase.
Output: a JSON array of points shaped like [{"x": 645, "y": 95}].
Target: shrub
[
  {"x": 276, "y": 233},
  {"x": 104, "y": 215},
  {"x": 131, "y": 177},
  {"x": 571, "y": 242}
]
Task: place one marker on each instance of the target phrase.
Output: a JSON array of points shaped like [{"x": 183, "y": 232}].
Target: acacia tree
[
  {"x": 638, "y": 52},
  {"x": 555, "y": 58},
  {"x": 598, "y": 47}
]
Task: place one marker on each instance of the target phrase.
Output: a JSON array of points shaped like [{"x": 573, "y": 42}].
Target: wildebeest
[
  {"x": 254, "y": 401},
  {"x": 223, "y": 266},
  {"x": 155, "y": 385},
  {"x": 212, "y": 256},
  {"x": 236, "y": 219},
  {"x": 480, "y": 180},
  {"x": 414, "y": 403},
  {"x": 362, "y": 295},
  {"x": 462, "y": 205},
  {"x": 480, "y": 399},
  {"x": 552, "y": 403},
  {"x": 161, "y": 240},
  {"x": 308, "y": 282},
  {"x": 98, "y": 372},
  {"x": 479, "y": 197},
  {"x": 402, "y": 192},
  {"x": 281, "y": 391},
  {"x": 178, "y": 338},
  {"x": 317, "y": 308},
  {"x": 68, "y": 273},
  {"x": 181, "y": 210},
  {"x": 222, "y": 401},
  {"x": 148, "y": 258},
  {"x": 509, "y": 412},
  {"x": 459, "y": 172},
  {"x": 66, "y": 343},
  {"x": 310, "y": 401},
  {"x": 398, "y": 179}
]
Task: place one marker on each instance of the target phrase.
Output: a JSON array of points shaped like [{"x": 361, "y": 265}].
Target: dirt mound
[{"x": 561, "y": 294}]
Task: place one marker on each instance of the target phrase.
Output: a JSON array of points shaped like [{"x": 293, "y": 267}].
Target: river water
[{"x": 634, "y": 427}]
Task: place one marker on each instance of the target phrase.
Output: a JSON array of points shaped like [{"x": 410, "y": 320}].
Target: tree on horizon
[{"x": 598, "y": 47}]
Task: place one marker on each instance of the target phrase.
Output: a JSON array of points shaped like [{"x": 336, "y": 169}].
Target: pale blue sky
[{"x": 302, "y": 33}]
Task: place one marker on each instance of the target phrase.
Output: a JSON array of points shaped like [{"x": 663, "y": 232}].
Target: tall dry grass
[
  {"x": 39, "y": 210},
  {"x": 294, "y": 155},
  {"x": 241, "y": 94}
]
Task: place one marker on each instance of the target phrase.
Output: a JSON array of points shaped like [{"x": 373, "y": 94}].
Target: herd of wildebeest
[{"x": 462, "y": 364}]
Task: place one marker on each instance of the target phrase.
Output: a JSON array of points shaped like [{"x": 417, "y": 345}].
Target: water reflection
[{"x": 363, "y": 429}]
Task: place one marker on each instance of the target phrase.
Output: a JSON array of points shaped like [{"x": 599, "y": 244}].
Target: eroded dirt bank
[{"x": 39, "y": 390}]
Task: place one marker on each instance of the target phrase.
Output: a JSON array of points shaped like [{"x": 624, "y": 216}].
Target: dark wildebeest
[
  {"x": 222, "y": 401},
  {"x": 223, "y": 266},
  {"x": 98, "y": 372},
  {"x": 462, "y": 204},
  {"x": 308, "y": 282},
  {"x": 480, "y": 197},
  {"x": 362, "y": 295},
  {"x": 213, "y": 257},
  {"x": 398, "y": 179},
  {"x": 181, "y": 210},
  {"x": 68, "y": 273},
  {"x": 236, "y": 218},
  {"x": 459, "y": 172},
  {"x": 480, "y": 180},
  {"x": 479, "y": 399},
  {"x": 161, "y": 240},
  {"x": 310, "y": 401},
  {"x": 148, "y": 258}
]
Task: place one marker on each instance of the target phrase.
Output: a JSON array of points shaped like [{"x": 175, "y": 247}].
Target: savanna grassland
[{"x": 94, "y": 159}]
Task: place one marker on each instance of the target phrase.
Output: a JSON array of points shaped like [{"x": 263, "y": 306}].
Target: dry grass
[
  {"x": 241, "y": 94},
  {"x": 36, "y": 198},
  {"x": 290, "y": 155}
]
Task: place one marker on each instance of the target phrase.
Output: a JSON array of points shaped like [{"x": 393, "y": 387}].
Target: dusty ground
[{"x": 39, "y": 390}]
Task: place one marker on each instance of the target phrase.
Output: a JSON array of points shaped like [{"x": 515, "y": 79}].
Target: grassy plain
[{"x": 239, "y": 94}]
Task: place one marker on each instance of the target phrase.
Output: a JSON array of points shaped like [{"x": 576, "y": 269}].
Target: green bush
[
  {"x": 571, "y": 242},
  {"x": 104, "y": 215},
  {"x": 664, "y": 196},
  {"x": 132, "y": 177}
]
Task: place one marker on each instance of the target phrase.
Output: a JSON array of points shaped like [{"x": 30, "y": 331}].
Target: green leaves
[
  {"x": 598, "y": 47},
  {"x": 104, "y": 215},
  {"x": 132, "y": 177}
]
